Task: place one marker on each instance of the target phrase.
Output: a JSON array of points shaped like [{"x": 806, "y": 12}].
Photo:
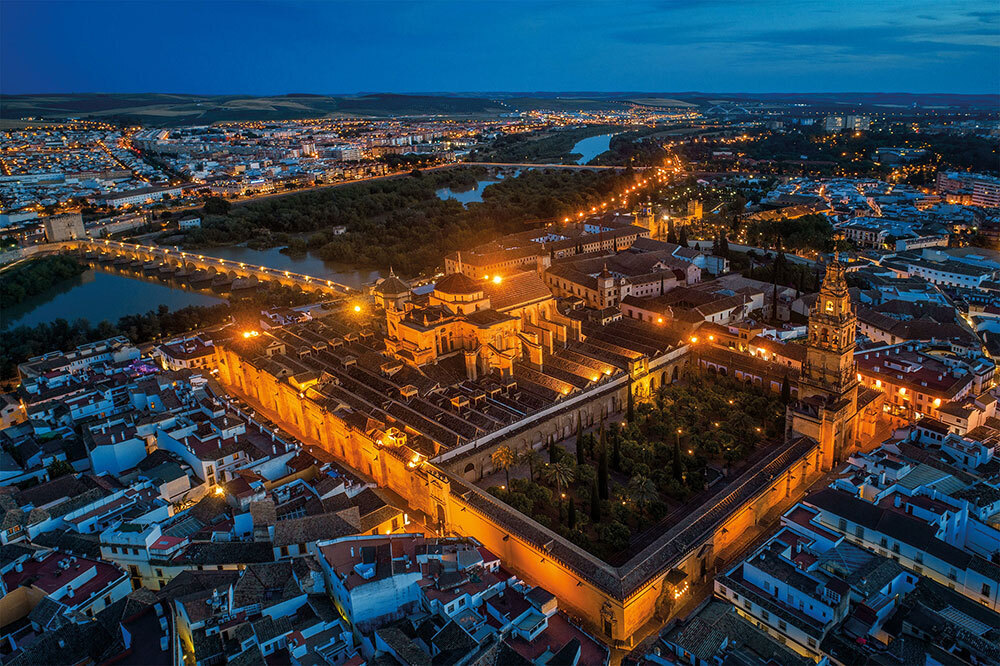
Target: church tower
[
  {"x": 645, "y": 217},
  {"x": 829, "y": 364},
  {"x": 827, "y": 404}
]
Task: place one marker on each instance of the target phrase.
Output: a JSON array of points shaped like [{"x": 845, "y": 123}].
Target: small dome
[
  {"x": 458, "y": 283},
  {"x": 392, "y": 285}
]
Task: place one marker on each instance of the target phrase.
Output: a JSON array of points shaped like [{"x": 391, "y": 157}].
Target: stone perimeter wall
[{"x": 456, "y": 507}]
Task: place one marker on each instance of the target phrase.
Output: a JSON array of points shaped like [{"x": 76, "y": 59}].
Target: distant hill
[
  {"x": 176, "y": 109},
  {"x": 168, "y": 109}
]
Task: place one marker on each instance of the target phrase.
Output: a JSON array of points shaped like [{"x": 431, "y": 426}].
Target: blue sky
[{"x": 382, "y": 45}]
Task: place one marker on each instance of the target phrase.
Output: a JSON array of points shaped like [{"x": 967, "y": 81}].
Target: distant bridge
[
  {"x": 191, "y": 262},
  {"x": 528, "y": 165}
]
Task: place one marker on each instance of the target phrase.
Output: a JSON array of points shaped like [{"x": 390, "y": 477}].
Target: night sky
[{"x": 347, "y": 47}]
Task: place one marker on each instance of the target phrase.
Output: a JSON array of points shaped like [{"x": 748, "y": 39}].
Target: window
[
  {"x": 764, "y": 615},
  {"x": 842, "y": 525},
  {"x": 859, "y": 532},
  {"x": 812, "y": 642},
  {"x": 986, "y": 590},
  {"x": 747, "y": 604},
  {"x": 159, "y": 573},
  {"x": 782, "y": 625}
]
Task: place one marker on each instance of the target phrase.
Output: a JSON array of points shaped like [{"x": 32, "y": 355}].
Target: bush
[{"x": 614, "y": 534}]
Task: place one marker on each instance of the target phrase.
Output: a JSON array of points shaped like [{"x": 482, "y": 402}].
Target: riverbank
[
  {"x": 33, "y": 277},
  {"x": 403, "y": 223}
]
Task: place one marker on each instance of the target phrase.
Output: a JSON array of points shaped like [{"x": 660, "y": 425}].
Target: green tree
[
  {"x": 531, "y": 458},
  {"x": 595, "y": 503},
  {"x": 571, "y": 516},
  {"x": 579, "y": 440},
  {"x": 559, "y": 474},
  {"x": 216, "y": 206},
  {"x": 602, "y": 473},
  {"x": 616, "y": 453},
  {"x": 786, "y": 391},
  {"x": 677, "y": 467},
  {"x": 504, "y": 458},
  {"x": 643, "y": 491},
  {"x": 59, "y": 468},
  {"x": 630, "y": 404}
]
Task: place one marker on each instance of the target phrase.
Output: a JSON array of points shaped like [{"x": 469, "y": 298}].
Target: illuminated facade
[{"x": 829, "y": 408}]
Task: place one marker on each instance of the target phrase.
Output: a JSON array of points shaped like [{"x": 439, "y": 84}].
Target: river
[
  {"x": 591, "y": 147},
  {"x": 96, "y": 295},
  {"x": 307, "y": 264},
  {"x": 102, "y": 293}
]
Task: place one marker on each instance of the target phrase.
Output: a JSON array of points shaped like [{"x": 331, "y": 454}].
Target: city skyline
[{"x": 347, "y": 47}]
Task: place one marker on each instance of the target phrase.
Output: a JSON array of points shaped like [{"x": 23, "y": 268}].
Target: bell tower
[
  {"x": 827, "y": 403},
  {"x": 829, "y": 364}
]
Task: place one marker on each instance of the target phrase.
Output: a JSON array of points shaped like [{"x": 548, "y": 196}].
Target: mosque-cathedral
[{"x": 417, "y": 393}]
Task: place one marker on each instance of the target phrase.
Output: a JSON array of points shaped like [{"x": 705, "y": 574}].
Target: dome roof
[
  {"x": 392, "y": 285},
  {"x": 458, "y": 283}
]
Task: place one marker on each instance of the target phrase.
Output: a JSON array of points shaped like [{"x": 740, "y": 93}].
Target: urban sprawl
[{"x": 665, "y": 428}]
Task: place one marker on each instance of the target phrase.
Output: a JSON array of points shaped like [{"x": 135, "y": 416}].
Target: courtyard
[{"x": 613, "y": 488}]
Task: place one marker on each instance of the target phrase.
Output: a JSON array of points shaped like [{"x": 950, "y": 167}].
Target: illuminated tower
[
  {"x": 829, "y": 363},
  {"x": 645, "y": 217},
  {"x": 827, "y": 404}
]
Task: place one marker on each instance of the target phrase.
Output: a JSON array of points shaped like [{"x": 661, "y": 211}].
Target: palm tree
[
  {"x": 531, "y": 458},
  {"x": 504, "y": 458},
  {"x": 643, "y": 490},
  {"x": 560, "y": 474}
]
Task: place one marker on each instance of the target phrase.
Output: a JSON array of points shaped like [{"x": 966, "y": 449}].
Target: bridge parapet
[{"x": 197, "y": 261}]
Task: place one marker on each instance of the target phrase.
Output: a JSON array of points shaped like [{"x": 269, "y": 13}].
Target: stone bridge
[{"x": 194, "y": 261}]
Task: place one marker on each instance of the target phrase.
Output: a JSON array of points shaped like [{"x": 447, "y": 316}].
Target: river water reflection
[
  {"x": 96, "y": 295},
  {"x": 591, "y": 147},
  {"x": 102, "y": 293}
]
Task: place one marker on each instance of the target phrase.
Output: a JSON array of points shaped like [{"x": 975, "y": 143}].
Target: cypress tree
[
  {"x": 552, "y": 449},
  {"x": 602, "y": 474},
  {"x": 595, "y": 503},
  {"x": 579, "y": 440},
  {"x": 678, "y": 469},
  {"x": 616, "y": 454},
  {"x": 571, "y": 517},
  {"x": 630, "y": 404},
  {"x": 786, "y": 391}
]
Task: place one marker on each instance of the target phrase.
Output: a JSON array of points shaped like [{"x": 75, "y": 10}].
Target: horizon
[
  {"x": 311, "y": 47},
  {"x": 582, "y": 94}
]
